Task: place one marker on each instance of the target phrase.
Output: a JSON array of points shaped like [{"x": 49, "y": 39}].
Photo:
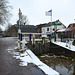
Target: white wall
[{"x": 44, "y": 29}]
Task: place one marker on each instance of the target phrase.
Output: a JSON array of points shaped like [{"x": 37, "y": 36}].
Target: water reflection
[{"x": 62, "y": 64}]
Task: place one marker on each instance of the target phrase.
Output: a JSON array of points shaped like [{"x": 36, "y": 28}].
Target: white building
[{"x": 51, "y": 27}]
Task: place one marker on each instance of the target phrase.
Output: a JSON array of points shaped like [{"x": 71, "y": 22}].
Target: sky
[{"x": 64, "y": 10}]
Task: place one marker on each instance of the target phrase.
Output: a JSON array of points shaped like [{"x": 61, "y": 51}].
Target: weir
[
  {"x": 30, "y": 57},
  {"x": 44, "y": 45}
]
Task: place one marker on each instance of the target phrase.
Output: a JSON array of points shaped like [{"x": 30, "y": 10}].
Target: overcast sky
[{"x": 64, "y": 10}]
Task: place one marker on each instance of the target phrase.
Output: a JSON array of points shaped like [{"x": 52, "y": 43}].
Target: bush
[{"x": 73, "y": 42}]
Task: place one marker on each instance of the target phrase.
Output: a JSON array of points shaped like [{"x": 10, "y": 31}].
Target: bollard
[
  {"x": 30, "y": 37},
  {"x": 50, "y": 37},
  {"x": 23, "y": 44},
  {"x": 61, "y": 36},
  {"x": 20, "y": 37},
  {"x": 66, "y": 43}
]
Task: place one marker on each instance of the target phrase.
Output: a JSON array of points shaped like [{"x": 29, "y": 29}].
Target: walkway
[
  {"x": 9, "y": 65},
  {"x": 67, "y": 45}
]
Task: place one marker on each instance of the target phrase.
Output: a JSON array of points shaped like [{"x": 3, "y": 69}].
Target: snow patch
[
  {"x": 30, "y": 57},
  {"x": 63, "y": 44}
]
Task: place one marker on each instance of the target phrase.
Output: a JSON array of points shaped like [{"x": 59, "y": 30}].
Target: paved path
[{"x": 9, "y": 65}]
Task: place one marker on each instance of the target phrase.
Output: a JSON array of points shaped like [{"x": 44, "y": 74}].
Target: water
[
  {"x": 62, "y": 64},
  {"x": 36, "y": 71}
]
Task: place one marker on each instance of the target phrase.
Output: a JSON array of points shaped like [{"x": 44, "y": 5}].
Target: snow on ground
[
  {"x": 63, "y": 44},
  {"x": 29, "y": 57}
]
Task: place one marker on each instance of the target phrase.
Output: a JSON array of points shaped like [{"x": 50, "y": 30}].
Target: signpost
[{"x": 19, "y": 30}]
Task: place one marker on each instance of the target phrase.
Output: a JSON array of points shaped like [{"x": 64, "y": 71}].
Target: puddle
[{"x": 62, "y": 64}]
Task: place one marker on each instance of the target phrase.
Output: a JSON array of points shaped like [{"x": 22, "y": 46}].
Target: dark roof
[
  {"x": 28, "y": 28},
  {"x": 71, "y": 25}
]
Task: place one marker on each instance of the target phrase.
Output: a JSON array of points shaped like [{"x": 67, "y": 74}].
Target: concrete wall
[{"x": 40, "y": 49}]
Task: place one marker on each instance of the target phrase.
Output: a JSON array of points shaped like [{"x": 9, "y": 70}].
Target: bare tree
[
  {"x": 8, "y": 26},
  {"x": 24, "y": 20},
  {"x": 4, "y": 11}
]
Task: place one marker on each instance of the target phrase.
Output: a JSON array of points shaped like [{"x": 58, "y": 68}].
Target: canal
[
  {"x": 64, "y": 65},
  {"x": 58, "y": 58}
]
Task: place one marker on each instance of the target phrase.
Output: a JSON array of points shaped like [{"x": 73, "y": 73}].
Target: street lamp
[{"x": 55, "y": 28}]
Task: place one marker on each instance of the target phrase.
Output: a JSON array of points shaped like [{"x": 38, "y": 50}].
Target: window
[
  {"x": 71, "y": 26},
  {"x": 47, "y": 29}
]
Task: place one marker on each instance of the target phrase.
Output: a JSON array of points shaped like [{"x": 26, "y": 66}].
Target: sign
[{"x": 19, "y": 31}]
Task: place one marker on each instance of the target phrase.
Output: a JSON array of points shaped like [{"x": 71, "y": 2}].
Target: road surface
[{"x": 9, "y": 65}]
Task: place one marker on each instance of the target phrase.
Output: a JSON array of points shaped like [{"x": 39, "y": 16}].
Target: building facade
[
  {"x": 52, "y": 27},
  {"x": 71, "y": 30}
]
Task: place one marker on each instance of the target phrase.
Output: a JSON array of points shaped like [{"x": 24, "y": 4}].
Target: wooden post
[
  {"x": 33, "y": 41},
  {"x": 43, "y": 40}
]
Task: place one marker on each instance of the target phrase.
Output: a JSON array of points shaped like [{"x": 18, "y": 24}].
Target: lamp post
[
  {"x": 55, "y": 28},
  {"x": 51, "y": 27},
  {"x": 54, "y": 34}
]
